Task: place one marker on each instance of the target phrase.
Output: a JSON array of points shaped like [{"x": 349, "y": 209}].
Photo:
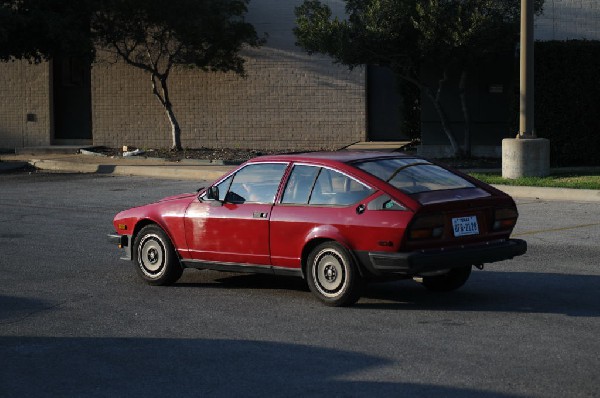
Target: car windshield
[{"x": 411, "y": 175}]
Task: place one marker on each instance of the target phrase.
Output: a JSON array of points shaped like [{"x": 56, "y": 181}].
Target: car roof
[{"x": 334, "y": 157}]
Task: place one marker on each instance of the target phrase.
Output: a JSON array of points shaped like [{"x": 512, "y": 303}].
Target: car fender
[
  {"x": 327, "y": 232},
  {"x": 324, "y": 233},
  {"x": 168, "y": 216}
]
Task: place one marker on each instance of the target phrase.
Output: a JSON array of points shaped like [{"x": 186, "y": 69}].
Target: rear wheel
[
  {"x": 332, "y": 275},
  {"x": 449, "y": 281},
  {"x": 155, "y": 258}
]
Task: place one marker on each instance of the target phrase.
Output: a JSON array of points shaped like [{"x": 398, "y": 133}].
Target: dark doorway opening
[
  {"x": 72, "y": 94},
  {"x": 384, "y": 105}
]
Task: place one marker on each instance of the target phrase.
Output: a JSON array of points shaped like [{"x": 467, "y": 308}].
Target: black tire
[
  {"x": 449, "y": 281},
  {"x": 155, "y": 258},
  {"x": 332, "y": 275}
]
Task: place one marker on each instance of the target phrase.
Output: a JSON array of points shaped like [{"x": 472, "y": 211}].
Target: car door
[
  {"x": 235, "y": 229},
  {"x": 317, "y": 202}
]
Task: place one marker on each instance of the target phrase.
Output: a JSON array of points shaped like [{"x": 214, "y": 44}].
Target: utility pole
[
  {"x": 526, "y": 155},
  {"x": 526, "y": 118}
]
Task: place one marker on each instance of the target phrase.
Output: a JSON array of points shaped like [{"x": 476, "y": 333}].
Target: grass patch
[{"x": 557, "y": 180}]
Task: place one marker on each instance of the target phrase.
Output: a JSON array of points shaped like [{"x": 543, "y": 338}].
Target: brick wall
[
  {"x": 287, "y": 101},
  {"x": 24, "y": 89}
]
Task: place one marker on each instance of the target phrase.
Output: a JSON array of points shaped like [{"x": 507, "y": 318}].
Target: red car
[{"x": 336, "y": 219}]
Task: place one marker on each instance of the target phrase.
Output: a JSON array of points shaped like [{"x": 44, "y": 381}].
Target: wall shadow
[
  {"x": 15, "y": 309},
  {"x": 147, "y": 367}
]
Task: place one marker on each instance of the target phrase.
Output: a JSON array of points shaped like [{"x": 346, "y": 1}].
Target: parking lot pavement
[{"x": 76, "y": 321}]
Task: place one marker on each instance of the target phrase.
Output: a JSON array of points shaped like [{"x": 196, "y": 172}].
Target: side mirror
[{"x": 212, "y": 193}]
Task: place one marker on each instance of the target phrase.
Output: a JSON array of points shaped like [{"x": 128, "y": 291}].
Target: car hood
[{"x": 177, "y": 197}]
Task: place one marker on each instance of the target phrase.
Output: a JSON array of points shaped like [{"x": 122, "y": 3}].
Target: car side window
[
  {"x": 255, "y": 183},
  {"x": 333, "y": 188},
  {"x": 301, "y": 181},
  {"x": 224, "y": 187}
]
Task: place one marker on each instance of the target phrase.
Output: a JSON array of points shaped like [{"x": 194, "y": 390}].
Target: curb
[
  {"x": 565, "y": 194},
  {"x": 181, "y": 172}
]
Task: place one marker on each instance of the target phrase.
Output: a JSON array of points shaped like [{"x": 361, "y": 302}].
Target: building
[
  {"x": 492, "y": 88},
  {"x": 288, "y": 101}
]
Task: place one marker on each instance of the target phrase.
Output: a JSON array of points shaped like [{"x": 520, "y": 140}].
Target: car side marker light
[{"x": 505, "y": 219}]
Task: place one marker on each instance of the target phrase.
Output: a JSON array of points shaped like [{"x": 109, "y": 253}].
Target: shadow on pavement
[
  {"x": 147, "y": 367},
  {"x": 523, "y": 292},
  {"x": 517, "y": 292}
]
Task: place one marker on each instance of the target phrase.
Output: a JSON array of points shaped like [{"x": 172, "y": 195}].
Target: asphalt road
[{"x": 76, "y": 321}]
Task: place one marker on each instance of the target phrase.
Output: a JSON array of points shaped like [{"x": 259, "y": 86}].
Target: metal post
[
  {"x": 526, "y": 155},
  {"x": 526, "y": 121}
]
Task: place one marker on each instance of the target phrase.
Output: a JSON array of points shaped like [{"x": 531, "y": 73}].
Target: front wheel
[
  {"x": 449, "y": 281},
  {"x": 155, "y": 258},
  {"x": 332, "y": 275}
]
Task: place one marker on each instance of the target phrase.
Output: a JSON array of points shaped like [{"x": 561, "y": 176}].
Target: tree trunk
[
  {"x": 163, "y": 98},
  {"x": 444, "y": 121},
  {"x": 175, "y": 129},
  {"x": 435, "y": 100},
  {"x": 462, "y": 89}
]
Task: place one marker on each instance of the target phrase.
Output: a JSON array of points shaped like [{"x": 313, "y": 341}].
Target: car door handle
[{"x": 258, "y": 214}]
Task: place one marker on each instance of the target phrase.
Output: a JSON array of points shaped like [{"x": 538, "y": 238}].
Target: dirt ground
[{"x": 241, "y": 155}]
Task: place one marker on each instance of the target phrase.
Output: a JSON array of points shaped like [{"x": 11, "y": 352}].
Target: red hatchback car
[{"x": 336, "y": 219}]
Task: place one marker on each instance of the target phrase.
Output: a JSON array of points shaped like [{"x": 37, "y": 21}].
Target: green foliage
[
  {"x": 567, "y": 94},
  {"x": 207, "y": 34},
  {"x": 38, "y": 29},
  {"x": 407, "y": 35},
  {"x": 556, "y": 180},
  {"x": 154, "y": 35}
]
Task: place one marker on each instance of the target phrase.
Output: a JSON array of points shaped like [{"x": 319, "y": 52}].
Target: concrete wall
[
  {"x": 569, "y": 20},
  {"x": 24, "y": 89}
]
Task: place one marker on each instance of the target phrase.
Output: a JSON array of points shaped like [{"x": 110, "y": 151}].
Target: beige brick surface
[
  {"x": 24, "y": 89},
  {"x": 287, "y": 101}
]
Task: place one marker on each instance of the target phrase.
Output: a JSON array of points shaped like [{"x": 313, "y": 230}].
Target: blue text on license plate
[{"x": 463, "y": 226}]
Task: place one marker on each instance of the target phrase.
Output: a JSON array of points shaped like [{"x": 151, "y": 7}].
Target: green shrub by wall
[{"x": 567, "y": 100}]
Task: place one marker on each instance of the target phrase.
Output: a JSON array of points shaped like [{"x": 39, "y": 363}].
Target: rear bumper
[
  {"x": 414, "y": 263},
  {"x": 123, "y": 242}
]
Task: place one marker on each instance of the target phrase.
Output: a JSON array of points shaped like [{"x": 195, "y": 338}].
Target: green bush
[{"x": 567, "y": 100}]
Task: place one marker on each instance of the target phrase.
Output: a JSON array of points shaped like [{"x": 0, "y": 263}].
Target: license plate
[{"x": 464, "y": 226}]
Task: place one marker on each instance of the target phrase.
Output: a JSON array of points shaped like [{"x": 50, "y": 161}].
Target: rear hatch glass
[{"x": 413, "y": 176}]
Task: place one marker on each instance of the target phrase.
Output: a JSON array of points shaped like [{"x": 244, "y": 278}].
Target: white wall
[{"x": 569, "y": 20}]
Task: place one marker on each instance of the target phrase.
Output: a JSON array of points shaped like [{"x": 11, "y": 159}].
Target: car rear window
[{"x": 411, "y": 175}]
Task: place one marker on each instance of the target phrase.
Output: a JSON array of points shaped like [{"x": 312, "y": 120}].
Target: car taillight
[
  {"x": 505, "y": 219},
  {"x": 427, "y": 227}
]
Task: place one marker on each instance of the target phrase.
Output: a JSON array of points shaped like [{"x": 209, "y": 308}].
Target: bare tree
[{"x": 157, "y": 36}]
